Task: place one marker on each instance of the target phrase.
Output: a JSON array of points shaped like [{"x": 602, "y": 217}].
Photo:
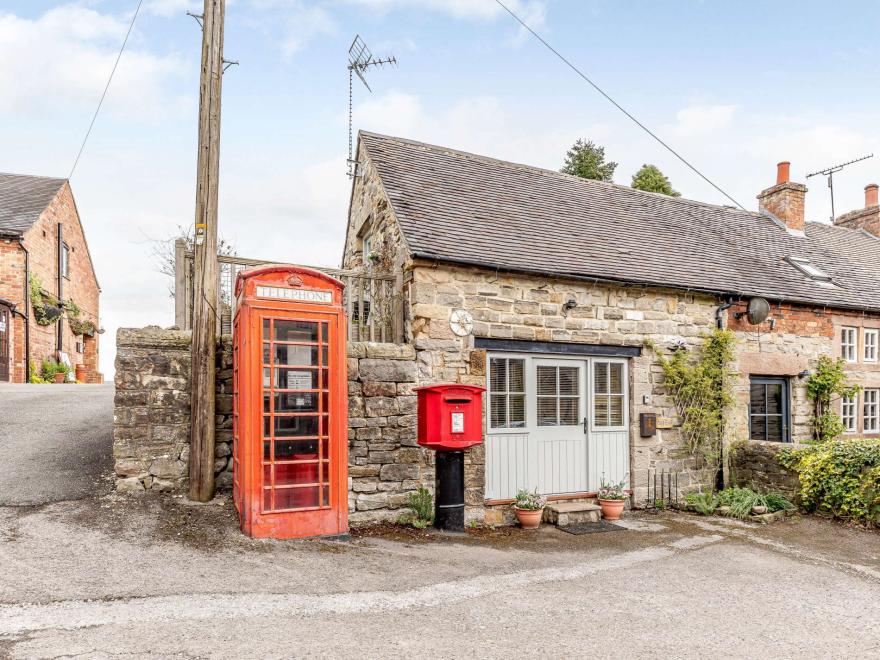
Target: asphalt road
[
  {"x": 56, "y": 442},
  {"x": 119, "y": 577}
]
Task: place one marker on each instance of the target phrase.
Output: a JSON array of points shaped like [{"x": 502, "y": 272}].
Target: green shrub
[
  {"x": 422, "y": 503},
  {"x": 840, "y": 477},
  {"x": 741, "y": 501},
  {"x": 51, "y": 367},
  {"x": 704, "y": 503}
]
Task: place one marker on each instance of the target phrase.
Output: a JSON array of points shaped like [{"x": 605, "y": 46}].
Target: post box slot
[{"x": 460, "y": 400}]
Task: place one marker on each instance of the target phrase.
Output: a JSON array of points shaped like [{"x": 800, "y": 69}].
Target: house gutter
[{"x": 624, "y": 282}]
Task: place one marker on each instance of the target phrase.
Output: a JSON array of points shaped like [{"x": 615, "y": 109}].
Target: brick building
[
  {"x": 43, "y": 248},
  {"x": 550, "y": 291}
]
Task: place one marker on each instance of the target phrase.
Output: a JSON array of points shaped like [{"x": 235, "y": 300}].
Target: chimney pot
[
  {"x": 783, "y": 172},
  {"x": 871, "y": 195}
]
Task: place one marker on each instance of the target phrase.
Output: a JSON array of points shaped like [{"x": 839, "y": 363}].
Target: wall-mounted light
[
  {"x": 804, "y": 374},
  {"x": 569, "y": 305}
]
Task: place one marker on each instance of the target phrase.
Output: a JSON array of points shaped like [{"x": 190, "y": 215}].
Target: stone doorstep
[{"x": 563, "y": 514}]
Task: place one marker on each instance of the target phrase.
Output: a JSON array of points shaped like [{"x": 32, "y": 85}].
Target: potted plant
[
  {"x": 612, "y": 497},
  {"x": 529, "y": 508}
]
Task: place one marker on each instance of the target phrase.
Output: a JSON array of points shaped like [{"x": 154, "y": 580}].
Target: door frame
[{"x": 6, "y": 348}]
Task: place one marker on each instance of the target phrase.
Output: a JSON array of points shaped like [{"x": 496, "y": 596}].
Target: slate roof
[
  {"x": 460, "y": 207},
  {"x": 23, "y": 198}
]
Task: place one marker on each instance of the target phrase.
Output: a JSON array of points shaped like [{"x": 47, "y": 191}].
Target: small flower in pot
[
  {"x": 612, "y": 497},
  {"x": 529, "y": 508}
]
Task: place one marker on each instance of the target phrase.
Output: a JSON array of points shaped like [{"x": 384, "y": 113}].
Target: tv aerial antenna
[
  {"x": 360, "y": 60},
  {"x": 830, "y": 171}
]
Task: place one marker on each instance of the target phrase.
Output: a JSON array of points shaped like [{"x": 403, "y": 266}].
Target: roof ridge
[
  {"x": 534, "y": 168},
  {"x": 35, "y": 176}
]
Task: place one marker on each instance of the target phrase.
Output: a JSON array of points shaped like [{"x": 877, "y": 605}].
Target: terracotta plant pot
[
  {"x": 529, "y": 518},
  {"x": 59, "y": 377},
  {"x": 80, "y": 373},
  {"x": 611, "y": 509}
]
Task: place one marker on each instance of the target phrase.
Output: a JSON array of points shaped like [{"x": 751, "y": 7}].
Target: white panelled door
[
  {"x": 558, "y": 438},
  {"x": 558, "y": 425}
]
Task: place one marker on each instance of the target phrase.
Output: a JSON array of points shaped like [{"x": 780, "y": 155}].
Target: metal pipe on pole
[{"x": 204, "y": 332}]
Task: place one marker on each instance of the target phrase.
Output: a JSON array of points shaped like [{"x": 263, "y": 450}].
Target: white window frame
[
  {"x": 506, "y": 393},
  {"x": 849, "y": 350},
  {"x": 871, "y": 411},
  {"x": 591, "y": 402},
  {"x": 870, "y": 350},
  {"x": 849, "y": 408}
]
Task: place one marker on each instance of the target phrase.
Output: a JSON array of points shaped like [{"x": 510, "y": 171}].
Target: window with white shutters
[
  {"x": 507, "y": 393},
  {"x": 609, "y": 394}
]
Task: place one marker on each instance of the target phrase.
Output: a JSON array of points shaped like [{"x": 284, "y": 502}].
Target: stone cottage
[
  {"x": 550, "y": 290},
  {"x": 44, "y": 253}
]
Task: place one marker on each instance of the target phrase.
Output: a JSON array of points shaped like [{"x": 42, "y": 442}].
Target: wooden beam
[{"x": 204, "y": 334}]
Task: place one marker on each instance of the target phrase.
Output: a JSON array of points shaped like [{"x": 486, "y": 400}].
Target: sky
[{"x": 733, "y": 86}]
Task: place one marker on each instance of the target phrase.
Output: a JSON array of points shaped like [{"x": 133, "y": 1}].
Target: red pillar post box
[
  {"x": 450, "y": 419},
  {"x": 290, "y": 412}
]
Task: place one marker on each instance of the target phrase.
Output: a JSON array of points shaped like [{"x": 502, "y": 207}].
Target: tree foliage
[
  {"x": 586, "y": 159},
  {"x": 651, "y": 179},
  {"x": 827, "y": 383}
]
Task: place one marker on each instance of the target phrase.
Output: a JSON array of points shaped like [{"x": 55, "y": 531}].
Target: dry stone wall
[
  {"x": 755, "y": 465},
  {"x": 152, "y": 410}
]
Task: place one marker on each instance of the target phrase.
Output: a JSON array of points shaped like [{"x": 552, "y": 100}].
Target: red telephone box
[{"x": 290, "y": 414}]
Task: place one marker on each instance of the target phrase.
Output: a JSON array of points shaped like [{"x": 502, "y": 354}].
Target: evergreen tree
[
  {"x": 651, "y": 179},
  {"x": 587, "y": 160}
]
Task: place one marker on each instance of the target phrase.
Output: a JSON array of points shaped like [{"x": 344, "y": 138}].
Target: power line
[
  {"x": 106, "y": 87},
  {"x": 617, "y": 105}
]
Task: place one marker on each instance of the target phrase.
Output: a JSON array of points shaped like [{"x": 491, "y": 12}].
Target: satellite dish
[{"x": 759, "y": 310}]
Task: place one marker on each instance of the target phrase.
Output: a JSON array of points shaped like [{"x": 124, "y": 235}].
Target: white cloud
[
  {"x": 701, "y": 119},
  {"x": 67, "y": 54},
  {"x": 168, "y": 8}
]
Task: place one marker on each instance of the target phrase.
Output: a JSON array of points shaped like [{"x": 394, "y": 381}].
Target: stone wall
[
  {"x": 385, "y": 461},
  {"x": 755, "y": 465},
  {"x": 152, "y": 410}
]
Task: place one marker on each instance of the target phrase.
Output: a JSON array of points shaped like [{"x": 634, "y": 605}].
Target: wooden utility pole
[{"x": 205, "y": 277}]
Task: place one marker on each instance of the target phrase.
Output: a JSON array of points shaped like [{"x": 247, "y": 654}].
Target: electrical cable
[
  {"x": 106, "y": 87},
  {"x": 617, "y": 105}
]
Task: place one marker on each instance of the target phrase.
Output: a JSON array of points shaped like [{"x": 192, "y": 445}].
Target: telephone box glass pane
[
  {"x": 288, "y": 474},
  {"x": 296, "y": 426},
  {"x": 306, "y": 331},
  {"x": 296, "y": 498},
  {"x": 296, "y": 450},
  {"x": 296, "y": 402},
  {"x": 266, "y": 323},
  {"x": 266, "y": 353},
  {"x": 296, "y": 379},
  {"x": 303, "y": 356}
]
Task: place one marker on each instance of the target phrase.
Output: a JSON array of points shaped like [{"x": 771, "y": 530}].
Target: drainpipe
[
  {"x": 27, "y": 311},
  {"x": 719, "y": 314},
  {"x": 59, "y": 330}
]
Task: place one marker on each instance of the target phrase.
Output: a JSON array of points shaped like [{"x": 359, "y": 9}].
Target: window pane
[
  {"x": 615, "y": 415},
  {"x": 498, "y": 411},
  {"x": 296, "y": 331},
  {"x": 774, "y": 428},
  {"x": 297, "y": 379},
  {"x": 299, "y": 402},
  {"x": 600, "y": 377},
  {"x": 296, "y": 498},
  {"x": 600, "y": 410},
  {"x": 757, "y": 402},
  {"x": 295, "y": 450},
  {"x": 616, "y": 378},
  {"x": 517, "y": 376},
  {"x": 517, "y": 407},
  {"x": 774, "y": 399},
  {"x": 568, "y": 381},
  {"x": 296, "y": 426},
  {"x": 301, "y": 473},
  {"x": 547, "y": 381},
  {"x": 498, "y": 380},
  {"x": 547, "y": 411},
  {"x": 569, "y": 413},
  {"x": 759, "y": 428}
]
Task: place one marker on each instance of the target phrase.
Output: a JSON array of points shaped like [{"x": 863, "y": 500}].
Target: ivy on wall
[
  {"x": 824, "y": 385},
  {"x": 700, "y": 384}
]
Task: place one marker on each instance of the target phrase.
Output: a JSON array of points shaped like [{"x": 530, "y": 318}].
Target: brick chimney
[
  {"x": 785, "y": 200},
  {"x": 867, "y": 218}
]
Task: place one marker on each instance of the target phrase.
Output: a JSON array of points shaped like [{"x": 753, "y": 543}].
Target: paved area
[
  {"x": 157, "y": 577},
  {"x": 56, "y": 442}
]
